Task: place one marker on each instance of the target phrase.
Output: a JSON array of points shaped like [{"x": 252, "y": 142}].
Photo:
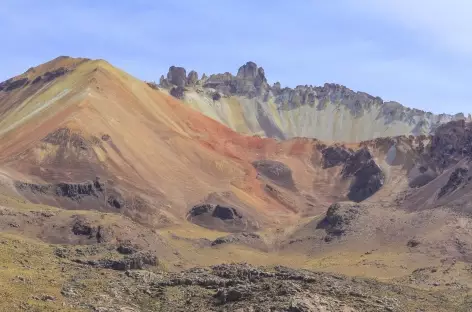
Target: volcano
[{"x": 113, "y": 185}]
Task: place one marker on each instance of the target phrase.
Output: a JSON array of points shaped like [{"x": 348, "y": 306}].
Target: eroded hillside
[{"x": 116, "y": 194}]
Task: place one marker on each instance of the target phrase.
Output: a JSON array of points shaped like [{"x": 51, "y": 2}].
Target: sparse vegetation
[{"x": 153, "y": 85}]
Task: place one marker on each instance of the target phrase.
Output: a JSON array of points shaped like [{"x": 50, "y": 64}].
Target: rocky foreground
[{"x": 241, "y": 287}]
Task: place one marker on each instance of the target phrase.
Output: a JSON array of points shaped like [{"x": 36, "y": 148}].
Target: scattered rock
[
  {"x": 116, "y": 201},
  {"x": 251, "y": 239},
  {"x": 81, "y": 226},
  {"x": 44, "y": 298},
  {"x": 126, "y": 249},
  {"x": 413, "y": 243},
  {"x": 276, "y": 171},
  {"x": 137, "y": 261},
  {"x": 233, "y": 294},
  {"x": 339, "y": 218}
]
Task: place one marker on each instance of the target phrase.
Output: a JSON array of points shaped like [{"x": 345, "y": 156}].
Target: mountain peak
[{"x": 45, "y": 72}]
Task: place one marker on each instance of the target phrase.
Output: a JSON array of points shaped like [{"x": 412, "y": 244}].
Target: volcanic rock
[
  {"x": 177, "y": 92},
  {"x": 368, "y": 177},
  {"x": 335, "y": 156},
  {"x": 192, "y": 78},
  {"x": 177, "y": 76}
]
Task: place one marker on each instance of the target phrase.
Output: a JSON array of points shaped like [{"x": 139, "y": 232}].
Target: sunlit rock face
[{"x": 248, "y": 104}]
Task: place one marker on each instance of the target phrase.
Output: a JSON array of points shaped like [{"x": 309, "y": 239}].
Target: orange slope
[{"x": 140, "y": 138}]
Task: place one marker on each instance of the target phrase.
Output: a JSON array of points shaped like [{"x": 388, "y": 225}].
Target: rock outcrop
[
  {"x": 177, "y": 76},
  {"x": 192, "y": 78},
  {"x": 217, "y": 211},
  {"x": 178, "y": 92},
  {"x": 339, "y": 218},
  {"x": 331, "y": 112},
  {"x": 241, "y": 287},
  {"x": 82, "y": 227},
  {"x": 276, "y": 171},
  {"x": 367, "y": 176},
  {"x": 84, "y": 192},
  {"x": 220, "y": 217},
  {"x": 451, "y": 142},
  {"x": 458, "y": 177},
  {"x": 11, "y": 84},
  {"x": 248, "y": 239},
  {"x": 135, "y": 261},
  {"x": 335, "y": 156}
]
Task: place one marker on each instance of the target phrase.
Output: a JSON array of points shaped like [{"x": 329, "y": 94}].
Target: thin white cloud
[{"x": 447, "y": 24}]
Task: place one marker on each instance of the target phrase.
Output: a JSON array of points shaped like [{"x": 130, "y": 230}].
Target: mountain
[
  {"x": 246, "y": 103},
  {"x": 121, "y": 194}
]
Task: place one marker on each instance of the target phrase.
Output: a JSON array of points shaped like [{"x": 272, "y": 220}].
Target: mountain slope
[
  {"x": 333, "y": 113},
  {"x": 101, "y": 172},
  {"x": 95, "y": 121}
]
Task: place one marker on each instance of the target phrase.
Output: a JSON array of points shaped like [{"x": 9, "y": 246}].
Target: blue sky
[{"x": 416, "y": 52}]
